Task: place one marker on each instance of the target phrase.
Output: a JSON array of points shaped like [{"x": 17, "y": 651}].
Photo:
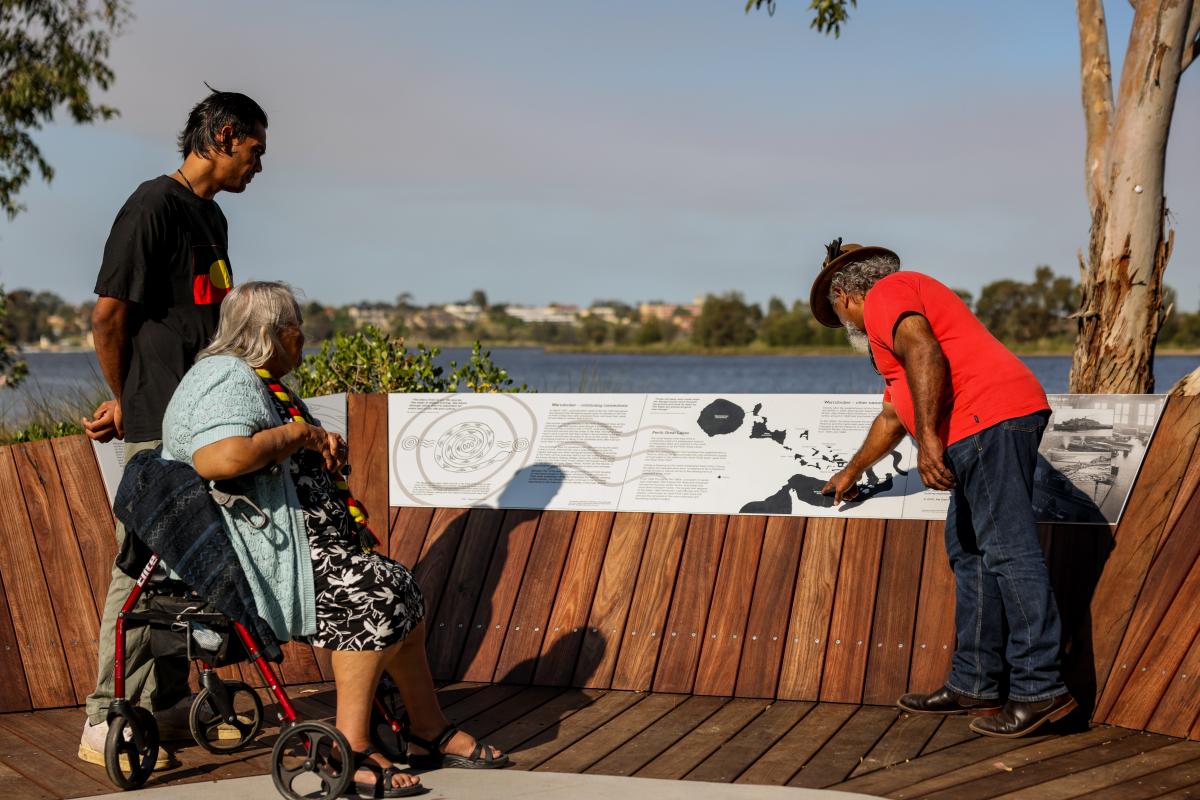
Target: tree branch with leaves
[
  {"x": 828, "y": 15},
  {"x": 53, "y": 55}
]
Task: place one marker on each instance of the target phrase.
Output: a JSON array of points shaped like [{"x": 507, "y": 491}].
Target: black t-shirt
[{"x": 167, "y": 254}]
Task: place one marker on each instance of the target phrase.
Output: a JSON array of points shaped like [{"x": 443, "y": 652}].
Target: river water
[{"x": 56, "y": 377}]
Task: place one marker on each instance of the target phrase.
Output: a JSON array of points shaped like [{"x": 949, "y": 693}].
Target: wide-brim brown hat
[{"x": 837, "y": 257}]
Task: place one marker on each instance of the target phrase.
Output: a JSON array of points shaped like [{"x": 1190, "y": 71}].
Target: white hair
[
  {"x": 859, "y": 277},
  {"x": 252, "y": 315}
]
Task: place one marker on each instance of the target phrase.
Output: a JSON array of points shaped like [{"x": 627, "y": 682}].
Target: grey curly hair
[
  {"x": 859, "y": 277},
  {"x": 252, "y": 315}
]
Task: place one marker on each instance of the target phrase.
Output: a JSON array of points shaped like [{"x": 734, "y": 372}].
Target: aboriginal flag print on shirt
[
  {"x": 168, "y": 255},
  {"x": 211, "y": 276}
]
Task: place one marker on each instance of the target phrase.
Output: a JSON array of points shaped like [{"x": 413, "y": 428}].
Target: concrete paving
[{"x": 460, "y": 784}]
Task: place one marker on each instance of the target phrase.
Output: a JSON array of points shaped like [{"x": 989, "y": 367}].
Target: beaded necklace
[{"x": 367, "y": 539}]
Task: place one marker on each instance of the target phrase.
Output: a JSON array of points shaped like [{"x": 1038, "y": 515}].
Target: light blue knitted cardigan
[{"x": 220, "y": 397}]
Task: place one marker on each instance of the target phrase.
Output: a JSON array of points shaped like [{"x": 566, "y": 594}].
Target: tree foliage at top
[
  {"x": 53, "y": 54},
  {"x": 828, "y": 15}
]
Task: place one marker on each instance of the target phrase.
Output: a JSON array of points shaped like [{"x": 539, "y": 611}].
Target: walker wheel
[
  {"x": 312, "y": 760},
  {"x": 129, "y": 762},
  {"x": 226, "y": 730}
]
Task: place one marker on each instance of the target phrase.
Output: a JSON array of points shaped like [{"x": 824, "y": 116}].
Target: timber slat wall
[{"x": 828, "y": 610}]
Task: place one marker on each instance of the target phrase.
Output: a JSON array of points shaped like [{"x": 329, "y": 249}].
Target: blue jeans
[{"x": 1004, "y": 607}]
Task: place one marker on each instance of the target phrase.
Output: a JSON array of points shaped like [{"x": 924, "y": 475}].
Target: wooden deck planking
[
  {"x": 724, "y": 635},
  {"x": 703, "y": 740},
  {"x": 554, "y": 739},
  {"x": 895, "y": 611},
  {"x": 559, "y": 662},
  {"x": 91, "y": 516},
  {"x": 849, "y": 638},
  {"x": 972, "y": 766},
  {"x": 741, "y": 751},
  {"x": 937, "y": 769},
  {"x": 62, "y": 562},
  {"x": 496, "y": 717},
  {"x": 29, "y": 602},
  {"x": 543, "y": 721},
  {"x": 678, "y": 736},
  {"x": 613, "y": 597},
  {"x": 834, "y": 762},
  {"x": 1136, "y": 540},
  {"x": 812, "y": 604},
  {"x": 1180, "y": 782},
  {"x": 543, "y": 572},
  {"x": 933, "y": 635},
  {"x": 952, "y": 731},
  {"x": 767, "y": 624},
  {"x": 647, "y": 745},
  {"x": 651, "y": 600},
  {"x": 499, "y": 593},
  {"x": 903, "y": 741},
  {"x": 794, "y": 749},
  {"x": 608, "y": 737},
  {"x": 1026, "y": 777},
  {"x": 681, "y": 638},
  {"x": 1140, "y": 768},
  {"x": 40, "y": 764},
  {"x": 448, "y": 631}
]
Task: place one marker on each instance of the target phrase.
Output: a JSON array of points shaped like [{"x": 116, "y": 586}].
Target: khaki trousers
[{"x": 156, "y": 684}]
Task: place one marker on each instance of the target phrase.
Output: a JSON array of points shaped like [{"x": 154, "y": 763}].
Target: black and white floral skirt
[{"x": 364, "y": 602}]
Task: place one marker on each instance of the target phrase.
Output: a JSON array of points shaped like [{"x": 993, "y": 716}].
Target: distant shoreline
[{"x": 663, "y": 350}]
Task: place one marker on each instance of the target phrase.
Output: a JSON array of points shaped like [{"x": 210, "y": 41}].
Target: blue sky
[{"x": 580, "y": 150}]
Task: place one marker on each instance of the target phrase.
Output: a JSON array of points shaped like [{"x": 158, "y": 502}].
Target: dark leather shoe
[
  {"x": 947, "y": 701},
  {"x": 1020, "y": 719}
]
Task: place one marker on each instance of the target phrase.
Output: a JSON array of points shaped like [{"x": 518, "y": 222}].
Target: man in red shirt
[{"x": 977, "y": 415}]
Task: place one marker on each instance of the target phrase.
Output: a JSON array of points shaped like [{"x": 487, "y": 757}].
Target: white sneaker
[{"x": 91, "y": 747}]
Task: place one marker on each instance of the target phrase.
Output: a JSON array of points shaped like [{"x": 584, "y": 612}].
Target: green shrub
[{"x": 372, "y": 361}]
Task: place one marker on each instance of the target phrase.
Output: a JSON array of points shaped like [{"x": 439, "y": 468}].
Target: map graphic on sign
[{"x": 727, "y": 454}]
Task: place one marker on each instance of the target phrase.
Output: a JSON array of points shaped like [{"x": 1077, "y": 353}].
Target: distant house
[
  {"x": 681, "y": 314},
  {"x": 606, "y": 313},
  {"x": 554, "y": 312},
  {"x": 434, "y": 318},
  {"x": 364, "y": 315},
  {"x": 462, "y": 312}
]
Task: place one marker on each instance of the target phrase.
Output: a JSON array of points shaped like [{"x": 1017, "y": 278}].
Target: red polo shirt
[{"x": 989, "y": 383}]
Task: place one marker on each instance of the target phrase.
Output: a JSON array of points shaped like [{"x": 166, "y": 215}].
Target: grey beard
[{"x": 858, "y": 338}]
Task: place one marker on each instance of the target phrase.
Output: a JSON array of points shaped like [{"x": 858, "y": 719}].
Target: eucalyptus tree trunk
[{"x": 1122, "y": 277}]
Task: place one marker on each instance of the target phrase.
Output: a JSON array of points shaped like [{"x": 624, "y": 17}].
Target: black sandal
[
  {"x": 383, "y": 786},
  {"x": 434, "y": 756}
]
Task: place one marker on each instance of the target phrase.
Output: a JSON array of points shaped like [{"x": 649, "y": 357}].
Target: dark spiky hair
[{"x": 213, "y": 113}]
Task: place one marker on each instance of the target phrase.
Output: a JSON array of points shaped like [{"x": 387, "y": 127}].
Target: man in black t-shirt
[{"x": 164, "y": 273}]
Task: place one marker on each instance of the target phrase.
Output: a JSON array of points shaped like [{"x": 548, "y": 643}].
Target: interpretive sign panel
[{"x": 726, "y": 454}]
